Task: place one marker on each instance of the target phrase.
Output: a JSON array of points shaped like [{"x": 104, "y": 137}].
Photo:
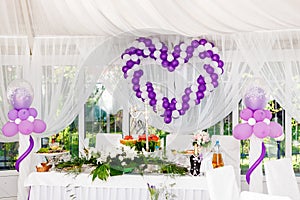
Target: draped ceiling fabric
[{"x": 63, "y": 47}]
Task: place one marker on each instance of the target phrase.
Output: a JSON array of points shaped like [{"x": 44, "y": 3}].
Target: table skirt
[{"x": 53, "y": 185}]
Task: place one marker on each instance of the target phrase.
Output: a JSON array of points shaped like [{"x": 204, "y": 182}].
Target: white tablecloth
[{"x": 54, "y": 185}]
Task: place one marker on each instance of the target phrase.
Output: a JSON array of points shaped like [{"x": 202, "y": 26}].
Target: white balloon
[
  {"x": 218, "y": 70},
  {"x": 141, "y": 45},
  {"x": 135, "y": 43},
  {"x": 18, "y": 121},
  {"x": 175, "y": 114},
  {"x": 180, "y": 60},
  {"x": 147, "y": 52},
  {"x": 267, "y": 121},
  {"x": 200, "y": 48},
  {"x": 130, "y": 73},
  {"x": 251, "y": 121},
  {"x": 214, "y": 64},
  {"x": 178, "y": 105},
  {"x": 30, "y": 118},
  {"x": 156, "y": 54},
  {"x": 215, "y": 50},
  {"x": 183, "y": 54},
  {"x": 209, "y": 87},
  {"x": 159, "y": 45},
  {"x": 183, "y": 46},
  {"x": 158, "y": 61},
  {"x": 206, "y": 93},
  {"x": 155, "y": 40},
  {"x": 134, "y": 57},
  {"x": 194, "y": 88},
  {"x": 126, "y": 57},
  {"x": 208, "y": 46},
  {"x": 170, "y": 57},
  {"x": 207, "y": 60},
  {"x": 159, "y": 102}
]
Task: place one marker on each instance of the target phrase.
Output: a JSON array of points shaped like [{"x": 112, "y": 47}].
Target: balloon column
[
  {"x": 257, "y": 122},
  {"x": 207, "y": 80},
  {"x": 22, "y": 118}
]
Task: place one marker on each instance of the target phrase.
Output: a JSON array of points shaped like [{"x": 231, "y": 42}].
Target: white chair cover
[
  {"x": 106, "y": 141},
  {"x": 221, "y": 183},
  {"x": 245, "y": 195},
  {"x": 281, "y": 179},
  {"x": 230, "y": 148}
]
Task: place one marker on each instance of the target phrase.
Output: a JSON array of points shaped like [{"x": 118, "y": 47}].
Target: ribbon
[
  {"x": 257, "y": 162},
  {"x": 23, "y": 156}
]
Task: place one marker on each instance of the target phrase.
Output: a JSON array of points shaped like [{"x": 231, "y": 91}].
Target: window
[{"x": 8, "y": 155}]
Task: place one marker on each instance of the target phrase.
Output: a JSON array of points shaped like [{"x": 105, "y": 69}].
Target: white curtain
[{"x": 14, "y": 57}]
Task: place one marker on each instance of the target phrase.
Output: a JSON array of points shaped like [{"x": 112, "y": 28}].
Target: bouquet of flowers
[{"x": 201, "y": 138}]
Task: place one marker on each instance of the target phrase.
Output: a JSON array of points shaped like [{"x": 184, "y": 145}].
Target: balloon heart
[{"x": 182, "y": 53}]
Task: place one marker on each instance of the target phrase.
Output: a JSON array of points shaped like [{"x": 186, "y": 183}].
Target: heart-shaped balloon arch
[
  {"x": 256, "y": 121},
  {"x": 22, "y": 117},
  {"x": 144, "y": 48}
]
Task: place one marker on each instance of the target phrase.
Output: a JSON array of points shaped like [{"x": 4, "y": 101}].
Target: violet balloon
[
  {"x": 246, "y": 113},
  {"x": 26, "y": 127},
  {"x": 255, "y": 98},
  {"x": 23, "y": 114},
  {"x": 32, "y": 112},
  {"x": 261, "y": 130},
  {"x": 12, "y": 114},
  {"x": 10, "y": 129},
  {"x": 259, "y": 115},
  {"x": 242, "y": 131},
  {"x": 21, "y": 98},
  {"x": 39, "y": 126},
  {"x": 276, "y": 130},
  {"x": 268, "y": 114}
]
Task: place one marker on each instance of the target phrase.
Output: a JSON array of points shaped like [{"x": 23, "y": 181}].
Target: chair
[
  {"x": 245, "y": 195},
  {"x": 221, "y": 183},
  {"x": 281, "y": 179},
  {"x": 230, "y": 148},
  {"x": 106, "y": 141}
]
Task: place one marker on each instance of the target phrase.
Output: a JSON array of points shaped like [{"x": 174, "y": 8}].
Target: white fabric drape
[
  {"x": 14, "y": 57},
  {"x": 99, "y": 17}
]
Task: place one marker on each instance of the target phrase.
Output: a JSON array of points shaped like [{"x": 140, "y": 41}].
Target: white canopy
[{"x": 63, "y": 47}]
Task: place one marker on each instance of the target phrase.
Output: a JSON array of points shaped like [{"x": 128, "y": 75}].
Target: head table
[{"x": 55, "y": 185}]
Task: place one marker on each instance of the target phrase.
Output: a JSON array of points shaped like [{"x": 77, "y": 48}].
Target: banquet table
[{"x": 55, "y": 185}]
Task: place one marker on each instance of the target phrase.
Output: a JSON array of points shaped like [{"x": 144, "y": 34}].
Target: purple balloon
[
  {"x": 200, "y": 80},
  {"x": 210, "y": 70},
  {"x": 220, "y": 63},
  {"x": 185, "y": 98},
  {"x": 242, "y": 131},
  {"x": 21, "y": 98},
  {"x": 202, "y": 55},
  {"x": 261, "y": 130},
  {"x": 151, "y": 95},
  {"x": 23, "y": 114},
  {"x": 10, "y": 129},
  {"x": 174, "y": 63},
  {"x": 185, "y": 106},
  {"x": 152, "y": 102},
  {"x": 215, "y": 57},
  {"x": 39, "y": 126},
  {"x": 26, "y": 127},
  {"x": 165, "y": 104},
  {"x": 167, "y": 120},
  {"x": 246, "y": 113},
  {"x": 214, "y": 76},
  {"x": 268, "y": 114},
  {"x": 136, "y": 87},
  {"x": 256, "y": 163},
  {"x": 12, "y": 114},
  {"x": 195, "y": 43},
  {"x": 215, "y": 83},
  {"x": 163, "y": 56},
  {"x": 171, "y": 68},
  {"x": 275, "y": 129},
  {"x": 259, "y": 115},
  {"x": 255, "y": 98},
  {"x": 25, "y": 154},
  {"x": 33, "y": 112},
  {"x": 203, "y": 41},
  {"x": 129, "y": 64},
  {"x": 135, "y": 81},
  {"x": 201, "y": 88}
]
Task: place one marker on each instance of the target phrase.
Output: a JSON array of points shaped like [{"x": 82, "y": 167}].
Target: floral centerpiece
[
  {"x": 201, "y": 138},
  {"x": 140, "y": 143},
  {"x": 118, "y": 161}
]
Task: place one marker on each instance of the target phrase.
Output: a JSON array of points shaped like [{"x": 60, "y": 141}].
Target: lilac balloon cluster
[
  {"x": 257, "y": 120},
  {"x": 182, "y": 53},
  {"x": 22, "y": 118}
]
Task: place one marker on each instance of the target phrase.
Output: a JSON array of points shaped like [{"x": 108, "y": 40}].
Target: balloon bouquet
[
  {"x": 256, "y": 121},
  {"x": 21, "y": 117}
]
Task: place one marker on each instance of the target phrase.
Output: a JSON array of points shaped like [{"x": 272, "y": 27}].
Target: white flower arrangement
[{"x": 202, "y": 138}]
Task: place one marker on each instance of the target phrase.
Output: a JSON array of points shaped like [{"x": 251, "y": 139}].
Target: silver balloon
[{"x": 20, "y": 94}]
